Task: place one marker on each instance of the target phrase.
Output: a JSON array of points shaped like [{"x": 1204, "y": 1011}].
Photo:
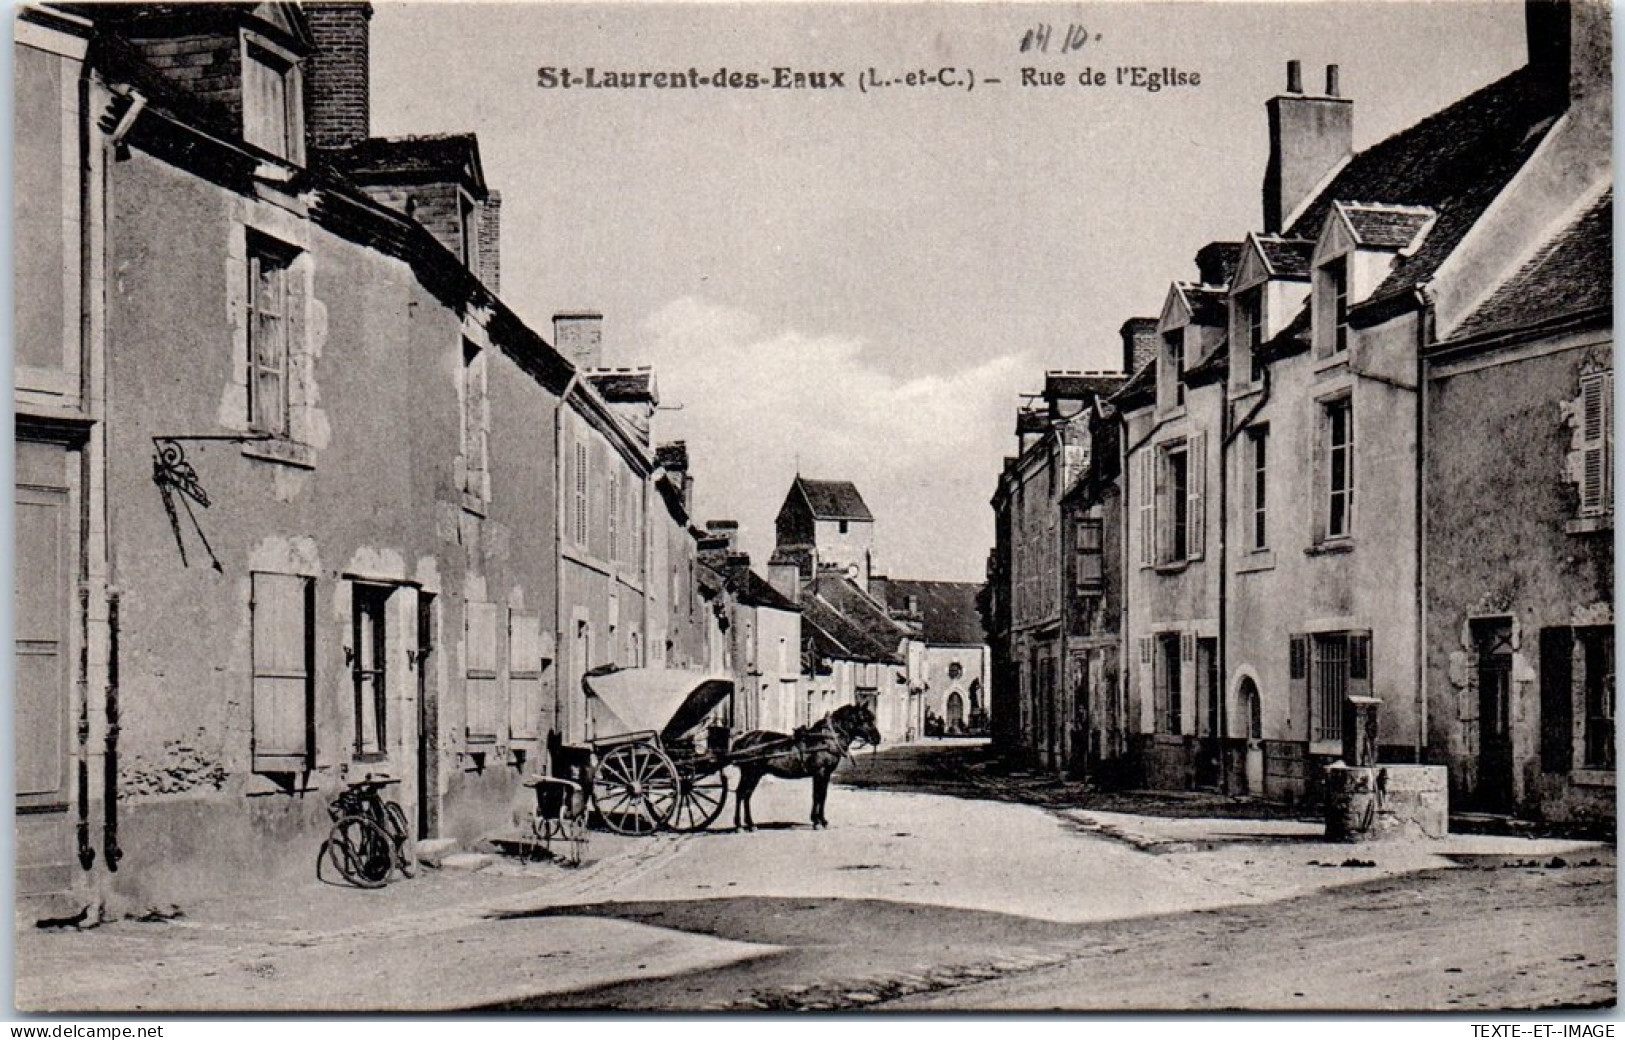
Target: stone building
[
  {"x": 295, "y": 487},
  {"x": 958, "y": 670},
  {"x": 1291, "y": 388}
]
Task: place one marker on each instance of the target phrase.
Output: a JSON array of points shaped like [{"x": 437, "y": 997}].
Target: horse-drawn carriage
[{"x": 659, "y": 741}]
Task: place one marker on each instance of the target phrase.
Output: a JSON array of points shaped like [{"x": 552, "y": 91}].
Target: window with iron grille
[{"x": 1329, "y": 684}]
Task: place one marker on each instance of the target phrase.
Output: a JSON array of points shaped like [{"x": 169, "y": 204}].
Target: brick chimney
[
  {"x": 785, "y": 577},
  {"x": 1216, "y": 262},
  {"x": 338, "y": 112},
  {"x": 1310, "y": 135},
  {"x": 490, "y": 243},
  {"x": 726, "y": 530},
  {"x": 1140, "y": 343},
  {"x": 579, "y": 336}
]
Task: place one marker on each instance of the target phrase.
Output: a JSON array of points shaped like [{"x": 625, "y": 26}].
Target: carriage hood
[{"x": 668, "y": 701}]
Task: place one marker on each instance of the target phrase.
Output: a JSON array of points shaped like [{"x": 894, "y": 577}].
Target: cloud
[{"x": 758, "y": 402}]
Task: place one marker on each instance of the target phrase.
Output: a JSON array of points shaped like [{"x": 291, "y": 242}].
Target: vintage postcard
[{"x": 828, "y": 507}]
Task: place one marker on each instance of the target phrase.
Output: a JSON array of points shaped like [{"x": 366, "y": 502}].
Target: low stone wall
[{"x": 1376, "y": 803}]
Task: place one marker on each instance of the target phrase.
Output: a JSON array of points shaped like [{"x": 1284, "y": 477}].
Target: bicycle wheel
[
  {"x": 361, "y": 852},
  {"x": 401, "y": 834}
]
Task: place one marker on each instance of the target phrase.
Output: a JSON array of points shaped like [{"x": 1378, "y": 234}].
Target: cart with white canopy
[{"x": 660, "y": 758}]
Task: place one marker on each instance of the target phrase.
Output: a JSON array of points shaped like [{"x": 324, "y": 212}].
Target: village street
[{"x": 933, "y": 888}]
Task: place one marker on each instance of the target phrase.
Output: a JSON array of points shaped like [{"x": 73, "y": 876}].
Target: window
[
  {"x": 1172, "y": 511},
  {"x": 843, "y": 526},
  {"x": 1324, "y": 670},
  {"x": 1250, "y": 305},
  {"x": 1089, "y": 549},
  {"x": 480, "y": 657},
  {"x": 268, "y": 338},
  {"x": 1337, "y": 293},
  {"x": 1595, "y": 656},
  {"x": 1258, "y": 440},
  {"x": 614, "y": 516},
  {"x": 368, "y": 663},
  {"x": 283, "y": 651},
  {"x": 579, "y": 514},
  {"x": 955, "y": 670},
  {"x": 1168, "y": 683},
  {"x": 1174, "y": 349},
  {"x": 1596, "y": 443},
  {"x": 271, "y": 103},
  {"x": 475, "y": 422},
  {"x": 1339, "y": 468}
]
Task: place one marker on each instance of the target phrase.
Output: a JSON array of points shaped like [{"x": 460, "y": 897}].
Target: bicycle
[{"x": 369, "y": 840}]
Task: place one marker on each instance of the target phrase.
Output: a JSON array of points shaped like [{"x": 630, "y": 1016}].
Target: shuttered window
[
  {"x": 267, "y": 338},
  {"x": 369, "y": 664},
  {"x": 476, "y": 422},
  {"x": 527, "y": 658},
  {"x": 483, "y": 690},
  {"x": 614, "y": 516},
  {"x": 284, "y": 611},
  {"x": 1596, "y": 444},
  {"x": 1556, "y": 700},
  {"x": 1089, "y": 549},
  {"x": 1169, "y": 683},
  {"x": 1148, "y": 503},
  {"x": 268, "y": 95},
  {"x": 579, "y": 519},
  {"x": 1340, "y": 468},
  {"x": 1196, "y": 496}
]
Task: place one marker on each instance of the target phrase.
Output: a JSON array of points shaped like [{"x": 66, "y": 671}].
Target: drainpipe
[
  {"x": 1125, "y": 651},
  {"x": 87, "y": 854},
  {"x": 111, "y": 853},
  {"x": 1425, "y": 319},
  {"x": 565, "y": 642}
]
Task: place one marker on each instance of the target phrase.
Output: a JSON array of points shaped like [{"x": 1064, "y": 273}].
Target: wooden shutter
[
  {"x": 525, "y": 663},
  {"x": 1195, "y": 496},
  {"x": 41, "y": 619},
  {"x": 284, "y": 609},
  {"x": 483, "y": 691},
  {"x": 1556, "y": 700},
  {"x": 1147, "y": 506},
  {"x": 1298, "y": 679},
  {"x": 1596, "y": 433}
]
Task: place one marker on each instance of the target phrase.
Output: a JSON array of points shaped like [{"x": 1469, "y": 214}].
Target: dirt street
[{"x": 937, "y": 886}]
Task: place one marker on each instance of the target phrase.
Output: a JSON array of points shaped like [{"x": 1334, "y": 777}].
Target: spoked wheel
[
  {"x": 361, "y": 852},
  {"x": 406, "y": 859},
  {"x": 635, "y": 789},
  {"x": 700, "y": 798}
]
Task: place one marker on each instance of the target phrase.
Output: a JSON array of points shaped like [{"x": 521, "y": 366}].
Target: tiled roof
[
  {"x": 1455, "y": 162},
  {"x": 1216, "y": 262},
  {"x": 948, "y": 609},
  {"x": 1140, "y": 389},
  {"x": 1294, "y": 339},
  {"x": 1571, "y": 274},
  {"x": 418, "y": 156},
  {"x": 1075, "y": 386},
  {"x": 849, "y": 622},
  {"x": 624, "y": 384},
  {"x": 1287, "y": 257},
  {"x": 1385, "y": 227},
  {"x": 1209, "y": 304},
  {"x": 753, "y": 590},
  {"x": 833, "y": 499},
  {"x": 672, "y": 456},
  {"x": 1215, "y": 365}
]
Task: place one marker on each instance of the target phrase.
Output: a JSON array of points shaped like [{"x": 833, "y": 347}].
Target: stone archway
[{"x": 1250, "y": 717}]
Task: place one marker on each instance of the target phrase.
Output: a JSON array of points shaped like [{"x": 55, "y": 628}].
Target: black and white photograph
[{"x": 863, "y": 509}]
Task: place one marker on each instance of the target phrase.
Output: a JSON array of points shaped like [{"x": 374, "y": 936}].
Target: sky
[{"x": 859, "y": 285}]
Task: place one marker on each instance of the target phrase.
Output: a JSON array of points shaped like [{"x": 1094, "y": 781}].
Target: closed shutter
[
  {"x": 1147, "y": 507},
  {"x": 1195, "y": 496},
  {"x": 1298, "y": 680},
  {"x": 284, "y": 609},
  {"x": 1596, "y": 400},
  {"x": 483, "y": 690},
  {"x": 1556, "y": 700},
  {"x": 41, "y": 619},
  {"x": 525, "y": 663}
]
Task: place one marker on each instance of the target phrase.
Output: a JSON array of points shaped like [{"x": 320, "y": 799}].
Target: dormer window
[
  {"x": 272, "y": 101},
  {"x": 1250, "y": 310},
  {"x": 1337, "y": 293},
  {"x": 1174, "y": 351}
]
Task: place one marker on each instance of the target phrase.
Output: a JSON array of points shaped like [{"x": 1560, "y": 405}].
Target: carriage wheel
[
  {"x": 700, "y": 798},
  {"x": 635, "y": 789}
]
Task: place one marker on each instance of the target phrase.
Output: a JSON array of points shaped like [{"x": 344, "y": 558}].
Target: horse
[{"x": 813, "y": 751}]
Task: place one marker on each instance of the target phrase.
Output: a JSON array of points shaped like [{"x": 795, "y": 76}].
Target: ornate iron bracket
[{"x": 177, "y": 478}]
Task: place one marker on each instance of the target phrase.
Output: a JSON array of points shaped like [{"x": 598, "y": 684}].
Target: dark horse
[{"x": 813, "y": 751}]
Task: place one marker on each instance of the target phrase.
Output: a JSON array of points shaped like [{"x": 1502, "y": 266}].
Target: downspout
[
  {"x": 1425, "y": 319},
  {"x": 111, "y": 853},
  {"x": 565, "y": 644},
  {"x": 1125, "y": 651},
  {"x": 87, "y": 853}
]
